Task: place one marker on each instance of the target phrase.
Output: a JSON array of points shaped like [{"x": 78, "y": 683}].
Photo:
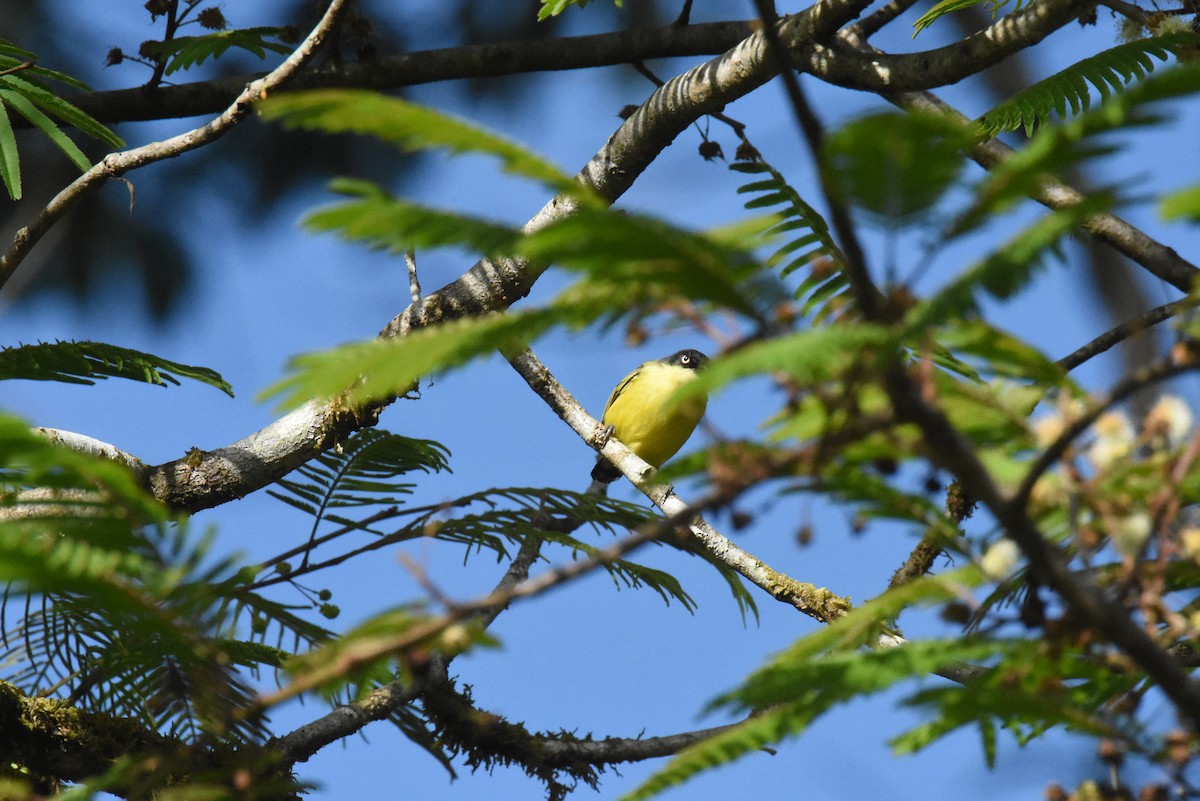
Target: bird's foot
[{"x": 604, "y": 435}]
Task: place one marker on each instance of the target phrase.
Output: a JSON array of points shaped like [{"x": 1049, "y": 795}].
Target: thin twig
[
  {"x": 414, "y": 282},
  {"x": 1123, "y": 331},
  {"x": 24, "y": 65}
]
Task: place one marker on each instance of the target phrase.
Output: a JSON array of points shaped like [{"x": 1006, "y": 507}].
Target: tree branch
[
  {"x": 426, "y": 66},
  {"x": 844, "y": 64},
  {"x": 1123, "y": 331},
  {"x": 203, "y": 480},
  {"x": 303, "y": 742},
  {"x": 1158, "y": 259},
  {"x": 816, "y": 602}
]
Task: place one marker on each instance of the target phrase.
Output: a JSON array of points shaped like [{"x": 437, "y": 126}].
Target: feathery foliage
[
  {"x": 185, "y": 52},
  {"x": 825, "y": 285},
  {"x": 408, "y": 126},
  {"x": 895, "y": 166},
  {"x": 25, "y": 90},
  {"x": 87, "y": 362},
  {"x": 1069, "y": 92},
  {"x": 943, "y": 7}
]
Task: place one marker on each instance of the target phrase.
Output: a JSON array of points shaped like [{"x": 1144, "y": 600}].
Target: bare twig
[
  {"x": 414, "y": 281},
  {"x": 1123, "y": 331},
  {"x": 301, "y": 743}
]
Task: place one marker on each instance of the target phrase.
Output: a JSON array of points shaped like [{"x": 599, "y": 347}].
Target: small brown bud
[
  {"x": 745, "y": 152},
  {"x": 886, "y": 466},
  {"x": 1111, "y": 753},
  {"x": 957, "y": 613},
  {"x": 710, "y": 150},
  {"x": 958, "y": 504},
  {"x": 157, "y": 8},
  {"x": 1054, "y": 792},
  {"x": 212, "y": 19},
  {"x": 115, "y": 56},
  {"x": 1179, "y": 747}
]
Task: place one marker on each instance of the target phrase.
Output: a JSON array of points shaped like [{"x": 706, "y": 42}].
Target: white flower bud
[
  {"x": 1131, "y": 533},
  {"x": 1000, "y": 559}
]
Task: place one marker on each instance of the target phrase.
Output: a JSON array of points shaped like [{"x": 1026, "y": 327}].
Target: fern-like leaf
[
  {"x": 185, "y": 52},
  {"x": 408, "y": 126},
  {"x": 363, "y": 471},
  {"x": 87, "y": 362},
  {"x": 944, "y": 7},
  {"x": 25, "y": 90},
  {"x": 809, "y": 245},
  {"x": 1069, "y": 92}
]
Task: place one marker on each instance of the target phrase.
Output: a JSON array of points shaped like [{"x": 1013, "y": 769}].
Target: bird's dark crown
[{"x": 688, "y": 359}]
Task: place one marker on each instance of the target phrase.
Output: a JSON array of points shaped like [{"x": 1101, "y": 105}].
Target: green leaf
[
  {"x": 86, "y": 362},
  {"x": 1068, "y": 92},
  {"x": 1184, "y": 203},
  {"x": 552, "y": 8},
  {"x": 380, "y": 220},
  {"x": 895, "y": 166},
  {"x": 1003, "y": 273},
  {"x": 806, "y": 356},
  {"x": 393, "y": 366},
  {"x": 363, "y": 471},
  {"x": 12, "y": 57},
  {"x": 631, "y": 259},
  {"x": 46, "y": 126},
  {"x": 63, "y": 110},
  {"x": 185, "y": 52},
  {"x": 408, "y": 126},
  {"x": 999, "y": 353},
  {"x": 820, "y": 671},
  {"x": 944, "y": 7},
  {"x": 10, "y": 164},
  {"x": 819, "y": 252}
]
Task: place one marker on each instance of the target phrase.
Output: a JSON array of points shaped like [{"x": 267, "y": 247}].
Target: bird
[{"x": 639, "y": 414}]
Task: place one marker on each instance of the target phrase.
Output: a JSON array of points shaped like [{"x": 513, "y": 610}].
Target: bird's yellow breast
[{"x": 643, "y": 419}]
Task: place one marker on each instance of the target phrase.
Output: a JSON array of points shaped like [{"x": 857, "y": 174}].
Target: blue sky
[{"x": 585, "y": 657}]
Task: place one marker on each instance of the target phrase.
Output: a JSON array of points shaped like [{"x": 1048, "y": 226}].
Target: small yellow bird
[{"x": 640, "y": 417}]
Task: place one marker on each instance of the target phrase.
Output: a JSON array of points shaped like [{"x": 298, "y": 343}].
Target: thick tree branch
[
  {"x": 53, "y": 738},
  {"x": 427, "y": 66},
  {"x": 116, "y": 164},
  {"x": 203, "y": 480},
  {"x": 843, "y": 64}
]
